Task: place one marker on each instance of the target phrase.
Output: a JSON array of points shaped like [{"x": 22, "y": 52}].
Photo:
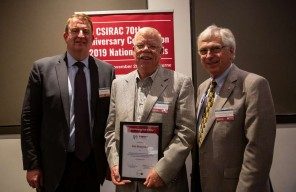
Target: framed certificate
[{"x": 140, "y": 146}]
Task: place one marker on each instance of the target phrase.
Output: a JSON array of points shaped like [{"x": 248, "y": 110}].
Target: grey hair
[{"x": 225, "y": 34}]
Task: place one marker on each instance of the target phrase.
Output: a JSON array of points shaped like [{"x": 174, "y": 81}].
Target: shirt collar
[
  {"x": 72, "y": 61},
  {"x": 152, "y": 76},
  {"x": 220, "y": 79}
]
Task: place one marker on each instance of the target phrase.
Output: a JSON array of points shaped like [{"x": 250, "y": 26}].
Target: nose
[
  {"x": 80, "y": 34},
  {"x": 146, "y": 47},
  {"x": 209, "y": 53}
]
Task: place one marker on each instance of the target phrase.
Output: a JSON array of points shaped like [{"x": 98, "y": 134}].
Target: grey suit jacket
[
  {"x": 177, "y": 124},
  {"x": 45, "y": 117},
  {"x": 236, "y": 155}
]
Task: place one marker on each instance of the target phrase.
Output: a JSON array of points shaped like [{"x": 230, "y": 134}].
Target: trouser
[{"x": 79, "y": 176}]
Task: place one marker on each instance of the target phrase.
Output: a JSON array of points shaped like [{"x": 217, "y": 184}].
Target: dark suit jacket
[
  {"x": 45, "y": 117},
  {"x": 236, "y": 155}
]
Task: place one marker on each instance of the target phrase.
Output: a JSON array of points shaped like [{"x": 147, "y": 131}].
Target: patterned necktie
[
  {"x": 205, "y": 116},
  {"x": 143, "y": 89},
  {"x": 82, "y": 127}
]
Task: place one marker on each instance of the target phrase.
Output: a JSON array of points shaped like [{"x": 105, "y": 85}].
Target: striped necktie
[{"x": 205, "y": 116}]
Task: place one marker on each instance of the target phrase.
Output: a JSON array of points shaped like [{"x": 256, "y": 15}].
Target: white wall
[
  {"x": 12, "y": 177},
  {"x": 283, "y": 169}
]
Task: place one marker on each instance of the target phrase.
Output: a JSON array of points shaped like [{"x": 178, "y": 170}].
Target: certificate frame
[{"x": 139, "y": 150}]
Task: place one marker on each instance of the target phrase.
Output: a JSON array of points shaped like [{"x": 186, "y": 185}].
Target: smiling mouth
[
  {"x": 80, "y": 42},
  {"x": 212, "y": 62},
  {"x": 145, "y": 57}
]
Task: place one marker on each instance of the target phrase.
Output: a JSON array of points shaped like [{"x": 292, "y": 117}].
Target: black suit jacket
[{"x": 45, "y": 117}]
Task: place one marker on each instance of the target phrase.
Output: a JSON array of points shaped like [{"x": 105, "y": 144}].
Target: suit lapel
[
  {"x": 62, "y": 76},
  {"x": 129, "y": 93},
  {"x": 201, "y": 97},
  {"x": 222, "y": 97},
  {"x": 159, "y": 84}
]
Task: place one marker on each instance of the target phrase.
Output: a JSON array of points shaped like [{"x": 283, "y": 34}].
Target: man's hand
[
  {"x": 153, "y": 180},
  {"x": 35, "y": 178},
  {"x": 116, "y": 177}
]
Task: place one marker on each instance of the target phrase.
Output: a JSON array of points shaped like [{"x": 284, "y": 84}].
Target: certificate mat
[{"x": 140, "y": 146}]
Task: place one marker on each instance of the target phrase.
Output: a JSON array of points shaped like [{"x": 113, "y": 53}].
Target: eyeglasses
[
  {"x": 149, "y": 46},
  {"x": 215, "y": 49},
  {"x": 76, "y": 31}
]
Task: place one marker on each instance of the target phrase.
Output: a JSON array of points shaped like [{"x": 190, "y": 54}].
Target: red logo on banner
[{"x": 113, "y": 35}]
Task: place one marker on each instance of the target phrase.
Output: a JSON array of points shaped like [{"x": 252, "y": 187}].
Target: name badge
[
  {"x": 104, "y": 92},
  {"x": 224, "y": 115},
  {"x": 161, "y": 107}
]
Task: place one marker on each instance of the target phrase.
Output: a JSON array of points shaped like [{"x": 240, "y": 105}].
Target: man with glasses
[
  {"x": 153, "y": 94},
  {"x": 235, "y": 121},
  {"x": 64, "y": 116}
]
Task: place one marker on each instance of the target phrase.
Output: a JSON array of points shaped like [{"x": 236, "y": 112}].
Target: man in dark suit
[
  {"x": 64, "y": 116},
  {"x": 236, "y": 121}
]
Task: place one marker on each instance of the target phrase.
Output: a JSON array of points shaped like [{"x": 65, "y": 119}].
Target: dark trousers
[{"x": 79, "y": 176}]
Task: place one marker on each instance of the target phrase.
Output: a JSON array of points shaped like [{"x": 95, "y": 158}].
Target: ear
[
  {"x": 65, "y": 35},
  {"x": 134, "y": 55},
  {"x": 134, "y": 52},
  {"x": 161, "y": 51},
  {"x": 231, "y": 50}
]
